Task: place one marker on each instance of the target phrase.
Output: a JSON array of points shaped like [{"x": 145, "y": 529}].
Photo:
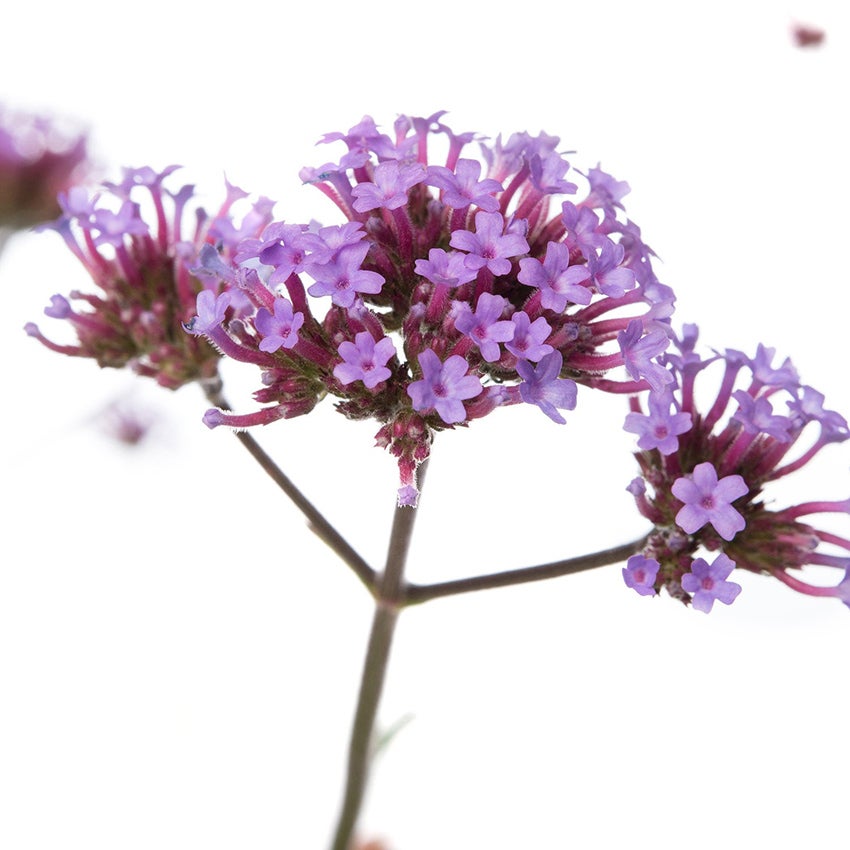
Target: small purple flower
[
  {"x": 638, "y": 353},
  {"x": 485, "y": 326},
  {"x": 285, "y": 247},
  {"x": 708, "y": 500},
  {"x": 446, "y": 268},
  {"x": 279, "y": 330},
  {"x": 547, "y": 170},
  {"x": 581, "y": 224},
  {"x": 606, "y": 192},
  {"x": 542, "y": 386},
  {"x": 490, "y": 245},
  {"x": 610, "y": 277},
  {"x": 343, "y": 278},
  {"x": 639, "y": 574},
  {"x": 444, "y": 386},
  {"x": 60, "y": 307},
  {"x": 660, "y": 429},
  {"x": 389, "y": 186},
  {"x": 114, "y": 227},
  {"x": 757, "y": 417},
  {"x": 365, "y": 360},
  {"x": 707, "y": 582},
  {"x": 764, "y": 373},
  {"x": 211, "y": 310},
  {"x": 558, "y": 281},
  {"x": 529, "y": 337},
  {"x": 462, "y": 187},
  {"x": 810, "y": 408}
]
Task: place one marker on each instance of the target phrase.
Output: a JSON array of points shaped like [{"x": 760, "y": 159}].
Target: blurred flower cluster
[
  {"x": 38, "y": 159},
  {"x": 139, "y": 242}
]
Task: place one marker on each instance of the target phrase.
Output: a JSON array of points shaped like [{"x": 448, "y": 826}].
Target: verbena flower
[
  {"x": 141, "y": 243},
  {"x": 707, "y": 583},
  {"x": 705, "y": 471},
  {"x": 639, "y": 574},
  {"x": 38, "y": 159},
  {"x": 459, "y": 260}
]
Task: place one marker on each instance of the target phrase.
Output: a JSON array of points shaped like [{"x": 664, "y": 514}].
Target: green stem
[
  {"x": 389, "y": 593},
  {"x": 418, "y": 593}
]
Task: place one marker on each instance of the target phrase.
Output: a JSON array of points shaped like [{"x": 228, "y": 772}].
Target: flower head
[
  {"x": 702, "y": 488},
  {"x": 38, "y": 161},
  {"x": 151, "y": 277}
]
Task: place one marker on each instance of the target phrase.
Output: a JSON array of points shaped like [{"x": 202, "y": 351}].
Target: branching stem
[
  {"x": 320, "y": 526},
  {"x": 418, "y": 593}
]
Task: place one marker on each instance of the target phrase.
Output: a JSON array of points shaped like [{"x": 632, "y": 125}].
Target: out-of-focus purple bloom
[
  {"x": 365, "y": 360},
  {"x": 541, "y": 385},
  {"x": 639, "y": 574},
  {"x": 709, "y": 500},
  {"x": 485, "y": 327},
  {"x": 38, "y": 161},
  {"x": 148, "y": 270},
  {"x": 114, "y": 227},
  {"x": 707, "y": 582},
  {"x": 444, "y": 386}
]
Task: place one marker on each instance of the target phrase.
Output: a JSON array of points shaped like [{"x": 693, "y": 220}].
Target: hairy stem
[
  {"x": 418, "y": 593},
  {"x": 320, "y": 526},
  {"x": 390, "y": 591}
]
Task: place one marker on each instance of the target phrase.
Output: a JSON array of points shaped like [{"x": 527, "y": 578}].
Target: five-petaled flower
[
  {"x": 707, "y": 582},
  {"x": 708, "y": 499},
  {"x": 443, "y": 386}
]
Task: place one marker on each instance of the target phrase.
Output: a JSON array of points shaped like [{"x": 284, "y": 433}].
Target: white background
[{"x": 179, "y": 655}]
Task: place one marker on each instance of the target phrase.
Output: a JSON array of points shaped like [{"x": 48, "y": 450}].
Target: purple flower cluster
[
  {"x": 451, "y": 288},
  {"x": 703, "y": 474},
  {"x": 131, "y": 240},
  {"x": 38, "y": 160}
]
